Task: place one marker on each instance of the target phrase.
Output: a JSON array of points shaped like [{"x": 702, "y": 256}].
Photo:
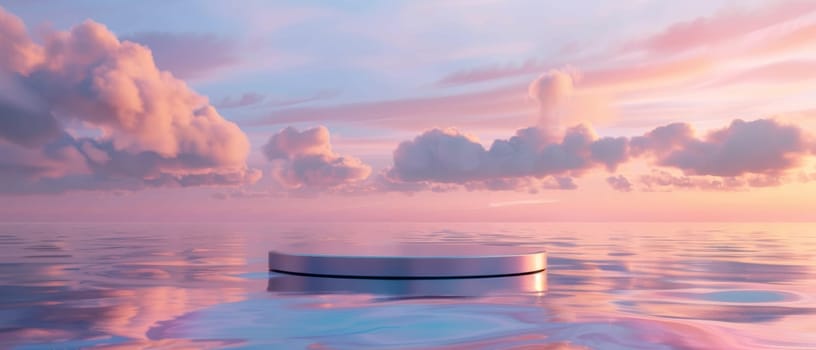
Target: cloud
[
  {"x": 724, "y": 28},
  {"x": 448, "y": 156},
  {"x": 721, "y": 27},
  {"x": 805, "y": 177},
  {"x": 650, "y": 74},
  {"x": 797, "y": 38},
  {"x": 551, "y": 91},
  {"x": 554, "y": 93},
  {"x": 306, "y": 160},
  {"x": 291, "y": 142},
  {"x": 619, "y": 183},
  {"x": 414, "y": 113},
  {"x": 801, "y": 71},
  {"x": 747, "y": 154},
  {"x": 494, "y": 72},
  {"x": 762, "y": 146},
  {"x": 153, "y": 130},
  {"x": 26, "y": 126},
  {"x": 663, "y": 139},
  {"x": 20, "y": 53},
  {"x": 661, "y": 180},
  {"x": 626, "y": 76},
  {"x": 188, "y": 55},
  {"x": 711, "y": 31}
]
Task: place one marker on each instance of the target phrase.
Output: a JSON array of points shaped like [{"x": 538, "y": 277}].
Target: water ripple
[{"x": 608, "y": 286}]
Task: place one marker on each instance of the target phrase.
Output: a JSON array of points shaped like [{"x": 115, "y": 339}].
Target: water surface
[{"x": 608, "y": 286}]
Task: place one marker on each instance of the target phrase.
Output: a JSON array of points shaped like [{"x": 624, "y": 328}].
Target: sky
[{"x": 447, "y": 110}]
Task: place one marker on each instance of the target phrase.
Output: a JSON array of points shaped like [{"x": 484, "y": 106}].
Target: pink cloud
[
  {"x": 306, "y": 160},
  {"x": 559, "y": 93},
  {"x": 776, "y": 72},
  {"x": 727, "y": 29},
  {"x": 648, "y": 73},
  {"x": 291, "y": 142},
  {"x": 20, "y": 53},
  {"x": 505, "y": 105},
  {"x": 422, "y": 111},
  {"x": 592, "y": 97},
  {"x": 552, "y": 90},
  {"x": 495, "y": 72},
  {"x": 155, "y": 131},
  {"x": 722, "y": 27},
  {"x": 795, "y": 39}
]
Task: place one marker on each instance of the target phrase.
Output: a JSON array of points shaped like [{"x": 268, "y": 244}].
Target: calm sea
[{"x": 608, "y": 286}]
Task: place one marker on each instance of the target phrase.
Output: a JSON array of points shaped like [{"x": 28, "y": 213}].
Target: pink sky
[{"x": 640, "y": 111}]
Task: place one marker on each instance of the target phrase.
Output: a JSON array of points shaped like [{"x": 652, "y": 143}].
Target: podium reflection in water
[{"x": 452, "y": 287}]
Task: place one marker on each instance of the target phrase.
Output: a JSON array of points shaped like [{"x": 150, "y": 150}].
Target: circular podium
[{"x": 410, "y": 261}]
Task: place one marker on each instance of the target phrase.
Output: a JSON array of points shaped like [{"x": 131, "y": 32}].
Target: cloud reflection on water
[{"x": 633, "y": 286}]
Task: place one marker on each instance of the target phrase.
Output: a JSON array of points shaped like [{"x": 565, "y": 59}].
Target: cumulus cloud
[
  {"x": 743, "y": 154},
  {"x": 551, "y": 91},
  {"x": 20, "y": 53},
  {"x": 305, "y": 160},
  {"x": 663, "y": 139},
  {"x": 762, "y": 146},
  {"x": 448, "y": 156},
  {"x": 290, "y": 142},
  {"x": 152, "y": 129}
]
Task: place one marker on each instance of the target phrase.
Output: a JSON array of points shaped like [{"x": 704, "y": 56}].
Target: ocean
[{"x": 607, "y": 286}]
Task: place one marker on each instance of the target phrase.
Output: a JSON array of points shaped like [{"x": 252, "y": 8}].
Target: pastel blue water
[
  {"x": 745, "y": 296},
  {"x": 608, "y": 286}
]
